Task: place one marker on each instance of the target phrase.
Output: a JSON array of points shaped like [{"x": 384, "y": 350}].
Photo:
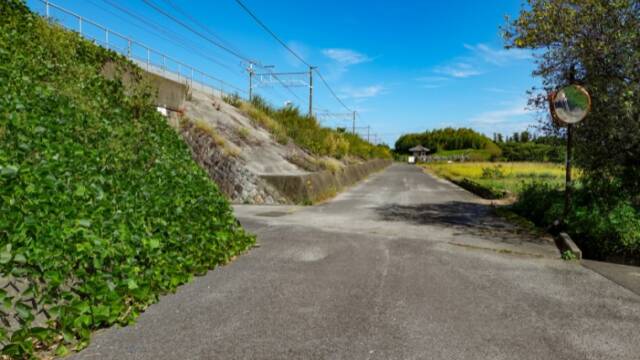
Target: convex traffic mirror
[{"x": 571, "y": 104}]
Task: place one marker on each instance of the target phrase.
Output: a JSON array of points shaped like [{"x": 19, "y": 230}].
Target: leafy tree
[
  {"x": 525, "y": 137},
  {"x": 595, "y": 43}
]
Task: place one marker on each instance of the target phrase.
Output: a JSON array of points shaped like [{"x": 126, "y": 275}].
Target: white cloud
[
  {"x": 362, "y": 92},
  {"x": 498, "y": 56},
  {"x": 501, "y": 116},
  {"x": 346, "y": 56},
  {"x": 459, "y": 70}
]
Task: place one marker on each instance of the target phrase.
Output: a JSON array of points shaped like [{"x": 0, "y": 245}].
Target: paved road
[{"x": 402, "y": 266}]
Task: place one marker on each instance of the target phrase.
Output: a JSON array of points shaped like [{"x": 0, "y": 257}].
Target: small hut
[{"x": 419, "y": 153}]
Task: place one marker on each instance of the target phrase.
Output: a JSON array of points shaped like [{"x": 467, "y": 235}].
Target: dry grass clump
[
  {"x": 209, "y": 129},
  {"x": 330, "y": 164},
  {"x": 243, "y": 133},
  {"x": 262, "y": 119}
]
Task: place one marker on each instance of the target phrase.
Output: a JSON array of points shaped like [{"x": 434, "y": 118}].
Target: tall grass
[{"x": 288, "y": 123}]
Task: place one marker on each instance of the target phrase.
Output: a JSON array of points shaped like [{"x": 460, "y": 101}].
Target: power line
[
  {"x": 200, "y": 24},
  {"x": 331, "y": 90},
  {"x": 271, "y": 32},
  {"x": 188, "y": 27},
  {"x": 226, "y": 47},
  {"x": 168, "y": 35}
]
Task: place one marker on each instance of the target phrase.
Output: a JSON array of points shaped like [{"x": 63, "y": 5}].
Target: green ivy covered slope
[{"x": 101, "y": 207}]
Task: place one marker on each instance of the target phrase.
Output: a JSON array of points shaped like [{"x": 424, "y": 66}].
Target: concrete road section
[{"x": 402, "y": 266}]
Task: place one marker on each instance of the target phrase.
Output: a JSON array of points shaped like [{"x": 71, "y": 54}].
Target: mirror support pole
[{"x": 568, "y": 187}]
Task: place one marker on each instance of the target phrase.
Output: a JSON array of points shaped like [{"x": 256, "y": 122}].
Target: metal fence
[{"x": 144, "y": 56}]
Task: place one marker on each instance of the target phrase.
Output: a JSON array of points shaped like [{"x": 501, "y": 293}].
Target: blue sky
[{"x": 405, "y": 66}]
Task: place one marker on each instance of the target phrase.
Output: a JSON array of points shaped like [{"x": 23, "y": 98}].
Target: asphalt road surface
[{"x": 401, "y": 266}]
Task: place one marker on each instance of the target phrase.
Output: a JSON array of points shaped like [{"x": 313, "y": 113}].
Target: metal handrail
[{"x": 149, "y": 51}]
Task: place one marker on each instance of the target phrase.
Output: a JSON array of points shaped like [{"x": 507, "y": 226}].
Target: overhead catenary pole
[
  {"x": 311, "y": 68},
  {"x": 353, "y": 122},
  {"x": 251, "y": 72}
]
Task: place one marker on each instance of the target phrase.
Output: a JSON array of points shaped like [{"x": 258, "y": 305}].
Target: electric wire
[
  {"x": 170, "y": 36},
  {"x": 200, "y": 34},
  {"x": 295, "y": 54}
]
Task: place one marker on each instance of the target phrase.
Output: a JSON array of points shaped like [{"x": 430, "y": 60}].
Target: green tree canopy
[{"x": 595, "y": 43}]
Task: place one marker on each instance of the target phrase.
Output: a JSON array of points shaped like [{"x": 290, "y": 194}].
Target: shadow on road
[{"x": 465, "y": 217}]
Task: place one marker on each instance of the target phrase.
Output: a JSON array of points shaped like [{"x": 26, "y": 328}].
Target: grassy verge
[
  {"x": 605, "y": 229},
  {"x": 101, "y": 207},
  {"x": 499, "y": 179}
]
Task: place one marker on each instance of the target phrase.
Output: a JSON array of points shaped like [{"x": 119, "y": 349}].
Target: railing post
[
  {"x": 179, "y": 71},
  {"x": 46, "y": 8},
  {"x": 129, "y": 48},
  {"x": 106, "y": 37},
  {"x": 80, "y": 25},
  {"x": 148, "y": 58},
  {"x": 164, "y": 63}
]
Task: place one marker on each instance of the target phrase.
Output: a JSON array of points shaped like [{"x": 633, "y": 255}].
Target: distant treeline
[
  {"x": 524, "y": 146},
  {"x": 445, "y": 139},
  {"x": 520, "y": 146}
]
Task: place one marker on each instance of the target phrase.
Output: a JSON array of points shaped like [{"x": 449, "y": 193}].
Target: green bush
[
  {"x": 603, "y": 228},
  {"x": 101, "y": 207},
  {"x": 493, "y": 172}
]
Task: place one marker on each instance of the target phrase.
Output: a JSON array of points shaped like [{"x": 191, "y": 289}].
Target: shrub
[
  {"x": 603, "y": 228},
  {"x": 494, "y": 172}
]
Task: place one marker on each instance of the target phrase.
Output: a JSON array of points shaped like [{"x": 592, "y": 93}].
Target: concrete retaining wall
[
  {"x": 310, "y": 188},
  {"x": 170, "y": 94}
]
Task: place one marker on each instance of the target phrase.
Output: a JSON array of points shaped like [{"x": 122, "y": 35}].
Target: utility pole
[
  {"x": 251, "y": 72},
  {"x": 311, "y": 90},
  {"x": 568, "y": 188},
  {"x": 368, "y": 130},
  {"x": 353, "y": 124}
]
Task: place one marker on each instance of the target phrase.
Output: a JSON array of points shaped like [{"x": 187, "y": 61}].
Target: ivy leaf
[
  {"x": 62, "y": 350},
  {"x": 23, "y": 311},
  {"x": 84, "y": 223},
  {"x": 8, "y": 171},
  {"x": 131, "y": 284},
  {"x": 20, "y": 259},
  {"x": 5, "y": 255}
]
